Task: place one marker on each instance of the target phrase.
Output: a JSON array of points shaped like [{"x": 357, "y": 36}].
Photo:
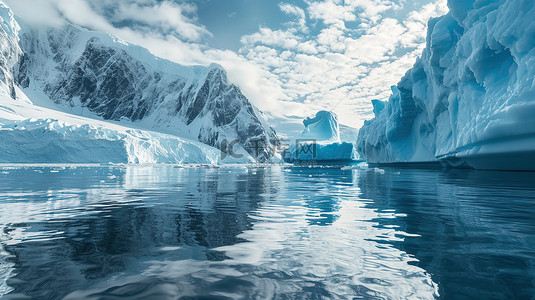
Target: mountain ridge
[{"x": 80, "y": 70}]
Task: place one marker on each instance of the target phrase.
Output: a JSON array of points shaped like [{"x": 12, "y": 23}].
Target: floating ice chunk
[
  {"x": 320, "y": 141},
  {"x": 322, "y": 128}
]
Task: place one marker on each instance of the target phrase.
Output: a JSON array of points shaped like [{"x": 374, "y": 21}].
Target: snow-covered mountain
[
  {"x": 469, "y": 101},
  {"x": 95, "y": 75},
  {"x": 10, "y": 51}
]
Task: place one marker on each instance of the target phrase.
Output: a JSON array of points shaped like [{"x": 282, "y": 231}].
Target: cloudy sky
[{"x": 292, "y": 57}]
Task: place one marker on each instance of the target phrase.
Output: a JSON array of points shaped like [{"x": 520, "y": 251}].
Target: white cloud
[
  {"x": 378, "y": 44},
  {"x": 283, "y": 70},
  {"x": 276, "y": 38},
  {"x": 36, "y": 12},
  {"x": 298, "y": 13},
  {"x": 330, "y": 12},
  {"x": 292, "y": 10},
  {"x": 336, "y": 11},
  {"x": 164, "y": 18},
  {"x": 308, "y": 47},
  {"x": 332, "y": 39},
  {"x": 343, "y": 68},
  {"x": 372, "y": 9},
  {"x": 168, "y": 16}
]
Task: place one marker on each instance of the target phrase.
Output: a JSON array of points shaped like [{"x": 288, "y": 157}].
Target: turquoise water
[{"x": 276, "y": 232}]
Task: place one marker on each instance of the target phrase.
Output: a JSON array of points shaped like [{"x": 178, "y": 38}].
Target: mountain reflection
[
  {"x": 126, "y": 214},
  {"x": 235, "y": 232},
  {"x": 265, "y": 232}
]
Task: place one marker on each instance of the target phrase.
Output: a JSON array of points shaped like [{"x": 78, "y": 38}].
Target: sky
[{"x": 291, "y": 57}]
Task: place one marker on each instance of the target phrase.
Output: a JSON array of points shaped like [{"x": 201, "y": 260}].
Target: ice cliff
[
  {"x": 55, "y": 141},
  {"x": 469, "y": 100},
  {"x": 320, "y": 141},
  {"x": 97, "y": 76}
]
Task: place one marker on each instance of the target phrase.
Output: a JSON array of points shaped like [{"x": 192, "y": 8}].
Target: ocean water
[{"x": 265, "y": 232}]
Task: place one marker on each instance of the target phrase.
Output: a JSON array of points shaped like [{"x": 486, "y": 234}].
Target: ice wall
[{"x": 469, "y": 100}]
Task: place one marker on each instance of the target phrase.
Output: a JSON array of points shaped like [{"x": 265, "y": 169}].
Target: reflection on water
[
  {"x": 476, "y": 228},
  {"x": 250, "y": 232}
]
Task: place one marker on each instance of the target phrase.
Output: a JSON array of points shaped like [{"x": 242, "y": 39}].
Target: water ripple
[{"x": 250, "y": 232}]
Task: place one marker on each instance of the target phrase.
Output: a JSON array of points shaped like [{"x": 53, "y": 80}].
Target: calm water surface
[{"x": 246, "y": 232}]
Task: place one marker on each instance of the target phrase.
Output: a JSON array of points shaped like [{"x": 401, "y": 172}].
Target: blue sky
[
  {"x": 289, "y": 57},
  {"x": 229, "y": 20}
]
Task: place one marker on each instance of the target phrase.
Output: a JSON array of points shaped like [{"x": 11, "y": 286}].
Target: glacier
[
  {"x": 129, "y": 100},
  {"x": 320, "y": 141},
  {"x": 34, "y": 134},
  {"x": 469, "y": 100},
  {"x": 54, "y": 141}
]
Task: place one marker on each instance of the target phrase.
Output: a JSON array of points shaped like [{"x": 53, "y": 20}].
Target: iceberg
[
  {"x": 469, "y": 100},
  {"x": 31, "y": 133},
  {"x": 320, "y": 141}
]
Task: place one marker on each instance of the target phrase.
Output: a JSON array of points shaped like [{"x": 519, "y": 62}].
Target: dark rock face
[
  {"x": 105, "y": 81},
  {"x": 111, "y": 82}
]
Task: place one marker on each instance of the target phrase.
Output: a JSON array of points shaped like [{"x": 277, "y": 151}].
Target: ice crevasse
[{"x": 469, "y": 100}]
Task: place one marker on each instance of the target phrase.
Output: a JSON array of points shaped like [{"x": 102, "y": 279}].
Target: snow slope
[
  {"x": 33, "y": 134},
  {"x": 82, "y": 72},
  {"x": 320, "y": 141},
  {"x": 469, "y": 100}
]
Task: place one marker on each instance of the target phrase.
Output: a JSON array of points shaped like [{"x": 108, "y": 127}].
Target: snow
[
  {"x": 469, "y": 100},
  {"x": 67, "y": 91},
  {"x": 320, "y": 141},
  {"x": 34, "y": 134},
  {"x": 9, "y": 49},
  {"x": 54, "y": 141}
]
